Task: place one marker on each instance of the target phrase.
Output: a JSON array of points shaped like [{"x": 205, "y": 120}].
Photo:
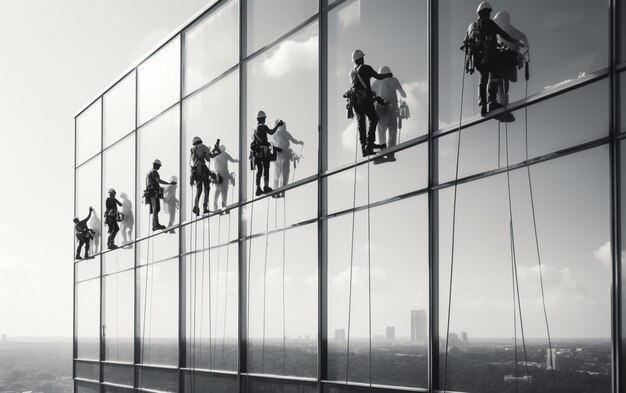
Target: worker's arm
[
  {"x": 400, "y": 89},
  {"x": 271, "y": 131},
  {"x": 294, "y": 140},
  {"x": 118, "y": 202},
  {"x": 88, "y": 216},
  {"x": 378, "y": 76},
  {"x": 230, "y": 158},
  {"x": 506, "y": 35}
]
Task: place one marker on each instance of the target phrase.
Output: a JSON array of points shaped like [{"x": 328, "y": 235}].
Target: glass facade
[{"x": 486, "y": 258}]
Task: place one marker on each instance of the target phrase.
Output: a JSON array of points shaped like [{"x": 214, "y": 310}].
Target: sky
[
  {"x": 57, "y": 55},
  {"x": 82, "y": 46}
]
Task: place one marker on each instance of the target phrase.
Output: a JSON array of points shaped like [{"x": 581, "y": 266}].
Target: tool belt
[
  {"x": 200, "y": 173},
  {"x": 152, "y": 192},
  {"x": 85, "y": 234}
]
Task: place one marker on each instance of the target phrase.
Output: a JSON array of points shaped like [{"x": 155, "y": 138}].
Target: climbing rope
[
  {"x": 226, "y": 286},
  {"x": 283, "y": 271},
  {"x": 456, "y": 178},
  {"x": 145, "y": 307},
  {"x": 267, "y": 224},
  {"x": 217, "y": 290},
  {"x": 369, "y": 274},
  {"x": 249, "y": 266}
]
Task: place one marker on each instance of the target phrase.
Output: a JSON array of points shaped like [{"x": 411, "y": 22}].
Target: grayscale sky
[{"x": 56, "y": 55}]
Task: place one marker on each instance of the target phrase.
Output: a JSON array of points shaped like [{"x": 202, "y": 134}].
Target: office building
[{"x": 224, "y": 301}]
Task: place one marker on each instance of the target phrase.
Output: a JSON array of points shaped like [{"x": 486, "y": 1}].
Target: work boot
[
  {"x": 79, "y": 258},
  {"x": 267, "y": 189},
  {"x": 367, "y": 151},
  {"x": 390, "y": 157},
  {"x": 377, "y": 146},
  {"x": 196, "y": 211},
  {"x": 158, "y": 227},
  {"x": 113, "y": 247},
  {"x": 483, "y": 110},
  {"x": 494, "y": 105},
  {"x": 258, "y": 191},
  {"x": 205, "y": 210}
]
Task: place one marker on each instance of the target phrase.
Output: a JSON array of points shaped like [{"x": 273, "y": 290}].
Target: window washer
[
  {"x": 111, "y": 217},
  {"x": 388, "y": 115},
  {"x": 283, "y": 139},
  {"x": 480, "y": 46},
  {"x": 261, "y": 154},
  {"x": 227, "y": 179},
  {"x": 200, "y": 173},
  {"x": 362, "y": 99},
  {"x": 128, "y": 223},
  {"x": 83, "y": 234},
  {"x": 512, "y": 51},
  {"x": 154, "y": 193}
]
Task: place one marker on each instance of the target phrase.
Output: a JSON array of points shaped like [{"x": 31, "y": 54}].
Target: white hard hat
[
  {"x": 357, "y": 54},
  {"x": 260, "y": 114},
  {"x": 483, "y": 6},
  {"x": 157, "y": 161},
  {"x": 196, "y": 139},
  {"x": 384, "y": 70}
]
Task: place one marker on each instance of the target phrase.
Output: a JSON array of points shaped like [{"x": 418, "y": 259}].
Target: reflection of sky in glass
[
  {"x": 118, "y": 316},
  {"x": 88, "y": 133},
  {"x": 396, "y": 41},
  {"x": 87, "y": 318},
  {"x": 269, "y": 19},
  {"x": 283, "y": 82},
  {"x": 212, "y": 46},
  {"x": 119, "y": 174},
  {"x": 567, "y": 191},
  {"x": 119, "y": 110},
  {"x": 567, "y": 38}
]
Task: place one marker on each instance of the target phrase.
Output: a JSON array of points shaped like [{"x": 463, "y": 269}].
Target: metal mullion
[
  {"x": 433, "y": 196},
  {"x": 102, "y": 288},
  {"x": 74, "y": 267},
  {"x": 182, "y": 322},
  {"x": 322, "y": 202},
  {"x": 158, "y": 115},
  {"x": 136, "y": 299},
  {"x": 211, "y": 82},
  {"x": 242, "y": 343}
]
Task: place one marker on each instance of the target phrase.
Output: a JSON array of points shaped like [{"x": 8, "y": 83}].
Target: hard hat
[
  {"x": 76, "y": 219},
  {"x": 111, "y": 190},
  {"x": 260, "y": 114},
  {"x": 384, "y": 70},
  {"x": 357, "y": 54},
  {"x": 196, "y": 140},
  {"x": 222, "y": 148},
  {"x": 157, "y": 161},
  {"x": 483, "y": 6}
]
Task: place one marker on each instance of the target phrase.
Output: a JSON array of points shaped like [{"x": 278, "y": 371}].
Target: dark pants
[
  {"x": 200, "y": 184},
  {"x": 155, "y": 208},
  {"x": 489, "y": 81},
  {"x": 262, "y": 169},
  {"x": 80, "y": 246},
  {"x": 114, "y": 228},
  {"x": 364, "y": 107}
]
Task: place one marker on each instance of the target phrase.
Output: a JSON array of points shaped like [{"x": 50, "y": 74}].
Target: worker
[
  {"x": 388, "y": 114},
  {"x": 200, "y": 174},
  {"x": 513, "y": 54},
  {"x": 83, "y": 234},
  {"x": 261, "y": 153},
  {"x": 480, "y": 46},
  {"x": 227, "y": 179},
  {"x": 128, "y": 223},
  {"x": 283, "y": 139},
  {"x": 154, "y": 193},
  {"x": 111, "y": 217},
  {"x": 362, "y": 99}
]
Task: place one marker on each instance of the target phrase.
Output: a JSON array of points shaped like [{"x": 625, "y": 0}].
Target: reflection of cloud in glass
[
  {"x": 292, "y": 56},
  {"x": 350, "y": 15},
  {"x": 603, "y": 254}
]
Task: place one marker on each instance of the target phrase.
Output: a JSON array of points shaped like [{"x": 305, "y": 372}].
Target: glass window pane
[
  {"x": 118, "y": 374},
  {"x": 398, "y": 42},
  {"x": 622, "y": 193},
  {"x": 387, "y": 180},
  {"x": 159, "y": 82},
  {"x": 264, "y": 23},
  {"x": 88, "y": 319},
  {"x": 554, "y": 59},
  {"x": 399, "y": 288},
  {"x": 158, "y": 248},
  {"x": 159, "y": 140},
  {"x": 622, "y": 109},
  {"x": 158, "y": 313},
  {"x": 88, "y": 370},
  {"x": 119, "y": 174},
  {"x": 211, "y": 46},
  {"x": 88, "y": 268},
  {"x": 283, "y": 82},
  {"x": 283, "y": 303},
  {"x": 260, "y": 385},
  {"x": 118, "y": 316},
  {"x": 88, "y": 194},
  {"x": 575, "y": 268},
  {"x": 88, "y": 133},
  {"x": 158, "y": 379},
  {"x": 119, "y": 110},
  {"x": 86, "y": 387},
  {"x": 212, "y": 114},
  {"x": 621, "y": 30},
  {"x": 224, "y": 229},
  {"x": 204, "y": 382},
  {"x": 211, "y": 308},
  {"x": 483, "y": 146},
  {"x": 118, "y": 260}
]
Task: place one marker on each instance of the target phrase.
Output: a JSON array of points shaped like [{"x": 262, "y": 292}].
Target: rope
[
  {"x": 284, "y": 322},
  {"x": 117, "y": 307},
  {"x": 145, "y": 308},
  {"x": 456, "y": 178},
  {"x": 356, "y": 149},
  {"x": 195, "y": 290},
  {"x": 217, "y": 290},
  {"x": 369, "y": 274},
  {"x": 248, "y": 284},
  {"x": 226, "y": 287},
  {"x": 267, "y": 224}
]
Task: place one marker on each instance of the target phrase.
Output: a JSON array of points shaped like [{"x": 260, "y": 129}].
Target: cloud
[
  {"x": 292, "y": 56},
  {"x": 603, "y": 254},
  {"x": 350, "y": 16}
]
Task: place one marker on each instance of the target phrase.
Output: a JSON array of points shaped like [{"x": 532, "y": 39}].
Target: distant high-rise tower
[
  {"x": 418, "y": 326},
  {"x": 551, "y": 363},
  {"x": 464, "y": 339},
  {"x": 391, "y": 333},
  {"x": 340, "y": 335}
]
